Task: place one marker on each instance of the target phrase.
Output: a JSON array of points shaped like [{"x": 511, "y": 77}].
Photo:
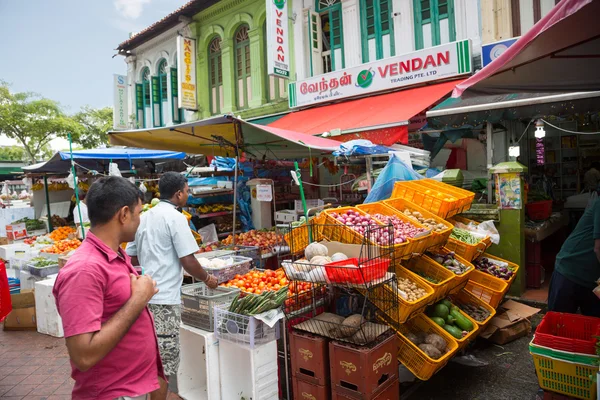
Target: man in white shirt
[
  {"x": 163, "y": 245},
  {"x": 84, "y": 220}
]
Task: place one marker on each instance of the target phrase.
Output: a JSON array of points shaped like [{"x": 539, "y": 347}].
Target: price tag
[{"x": 264, "y": 193}]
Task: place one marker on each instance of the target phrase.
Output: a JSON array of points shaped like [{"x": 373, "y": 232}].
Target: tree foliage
[
  {"x": 17, "y": 153},
  {"x": 95, "y": 123}
]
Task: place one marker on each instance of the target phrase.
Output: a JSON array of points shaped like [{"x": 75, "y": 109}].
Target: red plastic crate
[
  {"x": 539, "y": 210},
  {"x": 353, "y": 271},
  {"x": 568, "y": 332}
]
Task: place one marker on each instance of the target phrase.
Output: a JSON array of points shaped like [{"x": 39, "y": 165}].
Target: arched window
[
  {"x": 276, "y": 88},
  {"x": 161, "y": 106},
  {"x": 377, "y": 34},
  {"x": 243, "y": 79},
  {"x": 215, "y": 76},
  {"x": 142, "y": 99}
]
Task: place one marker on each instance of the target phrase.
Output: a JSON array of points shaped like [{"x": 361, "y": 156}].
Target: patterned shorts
[{"x": 167, "y": 319}]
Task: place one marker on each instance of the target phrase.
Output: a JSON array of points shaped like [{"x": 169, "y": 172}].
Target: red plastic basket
[
  {"x": 568, "y": 332},
  {"x": 539, "y": 210},
  {"x": 353, "y": 271}
]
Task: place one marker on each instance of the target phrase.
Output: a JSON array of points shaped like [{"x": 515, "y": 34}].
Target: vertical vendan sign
[
  {"x": 120, "y": 102},
  {"x": 186, "y": 73},
  {"x": 278, "y": 55}
]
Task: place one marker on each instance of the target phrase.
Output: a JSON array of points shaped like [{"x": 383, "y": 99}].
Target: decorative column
[
  {"x": 227, "y": 59},
  {"x": 352, "y": 33},
  {"x": 202, "y": 83},
  {"x": 257, "y": 68},
  {"x": 131, "y": 79}
]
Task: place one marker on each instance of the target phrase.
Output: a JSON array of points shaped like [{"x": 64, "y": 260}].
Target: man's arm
[{"x": 87, "y": 349}]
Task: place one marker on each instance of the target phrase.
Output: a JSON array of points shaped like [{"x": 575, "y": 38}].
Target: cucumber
[
  {"x": 439, "y": 321},
  {"x": 440, "y": 310},
  {"x": 454, "y": 331},
  {"x": 450, "y": 319},
  {"x": 461, "y": 321},
  {"x": 447, "y": 303}
]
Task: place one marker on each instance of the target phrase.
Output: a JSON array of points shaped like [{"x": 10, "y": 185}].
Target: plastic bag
[
  {"x": 486, "y": 228},
  {"x": 71, "y": 180},
  {"x": 113, "y": 170},
  {"x": 208, "y": 234},
  {"x": 143, "y": 187},
  {"x": 395, "y": 170}
]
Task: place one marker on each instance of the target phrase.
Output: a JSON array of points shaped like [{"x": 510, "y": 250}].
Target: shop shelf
[
  {"x": 438, "y": 238},
  {"x": 464, "y": 297},
  {"x": 198, "y": 302},
  {"x": 568, "y": 332},
  {"x": 424, "y": 265},
  {"x": 487, "y": 288},
  {"x": 459, "y": 281},
  {"x": 413, "y": 358}
]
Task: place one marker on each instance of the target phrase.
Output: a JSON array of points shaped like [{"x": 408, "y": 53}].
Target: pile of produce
[
  {"x": 252, "y": 305},
  {"x": 409, "y": 290},
  {"x": 299, "y": 295},
  {"x": 402, "y": 229},
  {"x": 353, "y": 328},
  {"x": 258, "y": 282},
  {"x": 427, "y": 277},
  {"x": 431, "y": 344},
  {"x": 214, "y": 208},
  {"x": 63, "y": 246},
  {"x": 448, "y": 316},
  {"x": 41, "y": 262},
  {"x": 449, "y": 262},
  {"x": 153, "y": 203},
  {"x": 58, "y": 221},
  {"x": 495, "y": 268},
  {"x": 31, "y": 224},
  {"x": 478, "y": 313},
  {"x": 464, "y": 236},
  {"x": 205, "y": 248},
  {"x": 61, "y": 233},
  {"x": 41, "y": 240},
  {"x": 311, "y": 267},
  {"x": 263, "y": 239},
  {"x": 216, "y": 263},
  {"x": 429, "y": 223},
  {"x": 52, "y": 187}
]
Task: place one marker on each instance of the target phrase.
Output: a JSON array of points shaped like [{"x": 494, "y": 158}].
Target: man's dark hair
[
  {"x": 170, "y": 183},
  {"x": 107, "y": 196}
]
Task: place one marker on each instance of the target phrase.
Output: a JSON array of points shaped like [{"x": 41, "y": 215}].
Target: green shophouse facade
[{"x": 232, "y": 64}]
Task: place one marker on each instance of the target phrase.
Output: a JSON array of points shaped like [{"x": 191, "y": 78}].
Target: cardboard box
[
  {"x": 22, "y": 317},
  {"x": 16, "y": 231},
  {"x": 510, "y": 323},
  {"x": 3, "y": 241}
]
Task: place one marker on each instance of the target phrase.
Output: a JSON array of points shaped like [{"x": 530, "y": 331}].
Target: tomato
[
  {"x": 277, "y": 287},
  {"x": 283, "y": 282},
  {"x": 250, "y": 290},
  {"x": 269, "y": 273},
  {"x": 240, "y": 282},
  {"x": 261, "y": 285},
  {"x": 257, "y": 291}
]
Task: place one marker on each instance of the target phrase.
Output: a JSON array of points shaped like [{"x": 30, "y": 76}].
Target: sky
[{"x": 63, "y": 49}]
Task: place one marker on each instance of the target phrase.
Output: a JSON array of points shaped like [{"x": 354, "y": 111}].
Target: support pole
[
  {"x": 490, "y": 159},
  {"x": 76, "y": 187},
  {"x": 50, "y": 227},
  {"x": 369, "y": 161}
]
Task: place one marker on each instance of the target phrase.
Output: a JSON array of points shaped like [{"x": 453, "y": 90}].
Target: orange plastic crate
[
  {"x": 413, "y": 358},
  {"x": 436, "y": 202},
  {"x": 487, "y": 288},
  {"x": 298, "y": 237},
  {"x": 425, "y": 265},
  {"x": 511, "y": 265},
  {"x": 337, "y": 232},
  {"x": 466, "y": 297},
  {"x": 459, "y": 281},
  {"x": 438, "y": 238},
  {"x": 464, "y": 197},
  {"x": 465, "y": 340},
  {"x": 406, "y": 309}
]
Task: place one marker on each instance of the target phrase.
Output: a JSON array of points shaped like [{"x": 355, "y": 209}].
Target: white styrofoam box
[
  {"x": 12, "y": 273},
  {"x": 15, "y": 250},
  {"x": 249, "y": 374},
  {"x": 48, "y": 320},
  {"x": 286, "y": 216},
  {"x": 198, "y": 375},
  {"x": 27, "y": 280}
]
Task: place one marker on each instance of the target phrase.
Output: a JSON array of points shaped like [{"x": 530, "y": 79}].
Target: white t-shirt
[
  {"x": 84, "y": 213},
  {"x": 163, "y": 237}
]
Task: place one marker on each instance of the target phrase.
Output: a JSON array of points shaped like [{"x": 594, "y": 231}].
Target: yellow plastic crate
[
  {"x": 487, "y": 288},
  {"x": 464, "y": 197},
  {"x": 298, "y": 239},
  {"x": 564, "y": 377},
  {"x": 459, "y": 281},
  {"x": 466, "y": 297},
  {"x": 467, "y": 251},
  {"x": 425, "y": 265},
  {"x": 511, "y": 265},
  {"x": 438, "y": 203},
  {"x": 465, "y": 340}
]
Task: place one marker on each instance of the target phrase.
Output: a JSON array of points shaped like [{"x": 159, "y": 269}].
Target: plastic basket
[
  {"x": 355, "y": 272},
  {"x": 566, "y": 373},
  {"x": 467, "y": 251},
  {"x": 469, "y": 337},
  {"x": 437, "y": 238},
  {"x": 511, "y": 265},
  {"x": 415, "y": 245},
  {"x": 243, "y": 330},
  {"x": 198, "y": 302},
  {"x": 487, "y": 288},
  {"x": 310, "y": 203},
  {"x": 43, "y": 271},
  {"x": 568, "y": 332},
  {"x": 424, "y": 265},
  {"x": 459, "y": 281},
  {"x": 443, "y": 206},
  {"x": 539, "y": 210},
  {"x": 463, "y": 197},
  {"x": 240, "y": 266},
  {"x": 337, "y": 232},
  {"x": 413, "y": 358},
  {"x": 297, "y": 238},
  {"x": 19, "y": 263},
  {"x": 406, "y": 309},
  {"x": 465, "y": 297}
]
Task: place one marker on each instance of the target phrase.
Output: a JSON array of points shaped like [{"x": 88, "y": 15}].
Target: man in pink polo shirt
[{"x": 102, "y": 300}]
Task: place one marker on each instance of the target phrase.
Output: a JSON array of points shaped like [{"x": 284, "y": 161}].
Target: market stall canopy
[
  {"x": 372, "y": 118},
  {"x": 98, "y": 159},
  {"x": 217, "y": 137},
  {"x": 560, "y": 53}
]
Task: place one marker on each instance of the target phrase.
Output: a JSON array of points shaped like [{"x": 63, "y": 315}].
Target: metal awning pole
[
  {"x": 369, "y": 173},
  {"x": 50, "y": 227},
  {"x": 76, "y": 186},
  {"x": 490, "y": 157}
]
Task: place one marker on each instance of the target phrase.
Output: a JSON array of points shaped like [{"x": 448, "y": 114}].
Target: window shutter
[
  {"x": 316, "y": 45},
  {"x": 139, "y": 105},
  {"x": 175, "y": 96},
  {"x": 156, "y": 117}
]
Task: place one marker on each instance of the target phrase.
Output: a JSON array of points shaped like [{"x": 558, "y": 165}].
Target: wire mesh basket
[
  {"x": 243, "y": 330},
  {"x": 238, "y": 266},
  {"x": 198, "y": 302}
]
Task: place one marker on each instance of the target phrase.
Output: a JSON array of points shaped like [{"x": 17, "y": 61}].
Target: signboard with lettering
[
  {"x": 278, "y": 54},
  {"x": 120, "y": 107},
  {"x": 491, "y": 51},
  {"x": 186, "y": 73},
  {"x": 264, "y": 192},
  {"x": 435, "y": 63}
]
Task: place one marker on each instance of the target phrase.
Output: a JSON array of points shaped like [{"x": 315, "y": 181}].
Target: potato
[
  {"x": 414, "y": 338},
  {"x": 430, "y": 350},
  {"x": 437, "y": 341},
  {"x": 351, "y": 325}
]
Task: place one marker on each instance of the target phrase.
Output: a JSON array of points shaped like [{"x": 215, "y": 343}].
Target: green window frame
[
  {"x": 177, "y": 113},
  {"x": 143, "y": 93},
  {"x": 243, "y": 70},
  {"x": 376, "y": 22},
  {"x": 139, "y": 105},
  {"x": 215, "y": 75},
  {"x": 330, "y": 12},
  {"x": 279, "y": 84},
  {"x": 432, "y": 12}
]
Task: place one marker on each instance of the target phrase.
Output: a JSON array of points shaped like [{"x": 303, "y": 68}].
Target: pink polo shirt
[{"x": 89, "y": 290}]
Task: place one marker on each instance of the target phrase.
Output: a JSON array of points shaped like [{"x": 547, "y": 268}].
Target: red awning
[
  {"x": 382, "y": 117},
  {"x": 561, "y": 53}
]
